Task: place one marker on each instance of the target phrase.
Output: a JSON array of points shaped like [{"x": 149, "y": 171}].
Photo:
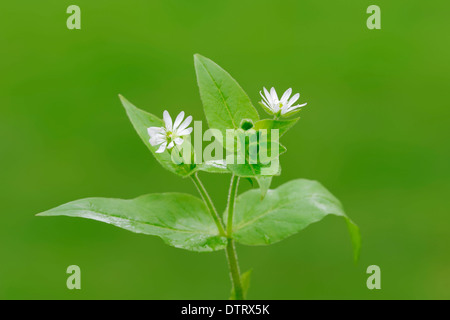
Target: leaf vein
[
  {"x": 96, "y": 211},
  {"x": 221, "y": 94},
  {"x": 268, "y": 211}
]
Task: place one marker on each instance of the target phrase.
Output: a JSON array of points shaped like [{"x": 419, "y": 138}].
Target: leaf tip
[
  {"x": 122, "y": 98},
  {"x": 125, "y": 103},
  {"x": 198, "y": 56},
  {"x": 355, "y": 236}
]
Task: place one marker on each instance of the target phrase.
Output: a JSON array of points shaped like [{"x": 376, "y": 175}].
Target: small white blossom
[
  {"x": 171, "y": 134},
  {"x": 283, "y": 106}
]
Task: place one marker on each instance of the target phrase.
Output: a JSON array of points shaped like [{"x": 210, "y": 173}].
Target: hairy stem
[
  {"x": 231, "y": 254},
  {"x": 235, "y": 274},
  {"x": 209, "y": 204},
  {"x": 231, "y": 204},
  {"x": 232, "y": 258}
]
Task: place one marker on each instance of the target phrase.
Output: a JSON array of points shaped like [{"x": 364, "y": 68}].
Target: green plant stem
[
  {"x": 232, "y": 258},
  {"x": 209, "y": 204},
  {"x": 231, "y": 254},
  {"x": 235, "y": 274},
  {"x": 231, "y": 203}
]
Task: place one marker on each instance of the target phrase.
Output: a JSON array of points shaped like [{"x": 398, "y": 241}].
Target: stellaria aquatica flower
[
  {"x": 171, "y": 134},
  {"x": 280, "y": 107}
]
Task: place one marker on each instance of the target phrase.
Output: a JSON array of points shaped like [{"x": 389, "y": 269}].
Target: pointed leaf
[
  {"x": 225, "y": 103},
  {"x": 264, "y": 184},
  {"x": 281, "y": 125},
  {"x": 285, "y": 211},
  {"x": 181, "y": 220},
  {"x": 141, "y": 121}
]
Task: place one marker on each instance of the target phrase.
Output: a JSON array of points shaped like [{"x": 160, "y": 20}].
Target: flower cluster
[{"x": 173, "y": 133}]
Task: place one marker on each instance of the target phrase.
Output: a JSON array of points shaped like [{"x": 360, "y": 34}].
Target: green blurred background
[{"x": 375, "y": 132}]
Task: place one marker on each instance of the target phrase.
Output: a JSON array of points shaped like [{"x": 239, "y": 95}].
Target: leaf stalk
[
  {"x": 209, "y": 204},
  {"x": 231, "y": 253}
]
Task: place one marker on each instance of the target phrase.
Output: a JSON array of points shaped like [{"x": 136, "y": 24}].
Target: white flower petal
[
  {"x": 178, "y": 120},
  {"x": 178, "y": 141},
  {"x": 284, "y": 111},
  {"x": 270, "y": 100},
  {"x": 170, "y": 146},
  {"x": 268, "y": 107},
  {"x": 184, "y": 132},
  {"x": 274, "y": 96},
  {"x": 286, "y": 96},
  {"x": 264, "y": 98},
  {"x": 268, "y": 96},
  {"x": 185, "y": 123},
  {"x": 298, "y": 106},
  {"x": 161, "y": 148},
  {"x": 167, "y": 120},
  {"x": 158, "y": 139},
  {"x": 293, "y": 99},
  {"x": 265, "y": 101},
  {"x": 154, "y": 131}
]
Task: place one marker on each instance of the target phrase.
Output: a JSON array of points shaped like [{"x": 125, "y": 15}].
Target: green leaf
[
  {"x": 252, "y": 170},
  {"x": 213, "y": 166},
  {"x": 285, "y": 211},
  {"x": 141, "y": 121},
  {"x": 248, "y": 163},
  {"x": 245, "y": 282},
  {"x": 281, "y": 125},
  {"x": 181, "y": 220},
  {"x": 267, "y": 149},
  {"x": 264, "y": 184},
  {"x": 225, "y": 103}
]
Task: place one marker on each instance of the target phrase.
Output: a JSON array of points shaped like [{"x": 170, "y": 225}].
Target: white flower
[
  {"x": 283, "y": 106},
  {"x": 171, "y": 134}
]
